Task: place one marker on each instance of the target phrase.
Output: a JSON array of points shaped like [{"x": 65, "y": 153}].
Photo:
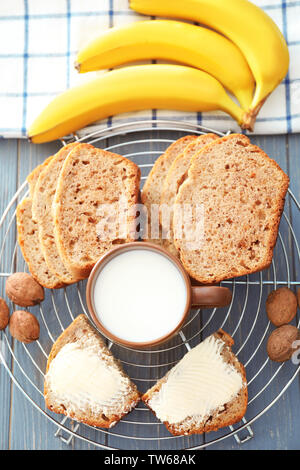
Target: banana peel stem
[
  {"x": 249, "y": 117},
  {"x": 77, "y": 66},
  {"x": 235, "y": 111},
  {"x": 248, "y": 121}
]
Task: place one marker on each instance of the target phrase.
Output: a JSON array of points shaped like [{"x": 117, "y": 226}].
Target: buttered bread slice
[
  {"x": 84, "y": 381},
  {"x": 205, "y": 391},
  {"x": 94, "y": 206}
]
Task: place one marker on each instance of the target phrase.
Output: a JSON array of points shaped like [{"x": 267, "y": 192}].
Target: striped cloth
[{"x": 39, "y": 40}]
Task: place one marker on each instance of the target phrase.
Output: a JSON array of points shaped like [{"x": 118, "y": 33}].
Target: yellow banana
[
  {"x": 159, "y": 86},
  {"x": 248, "y": 26},
  {"x": 175, "y": 41}
]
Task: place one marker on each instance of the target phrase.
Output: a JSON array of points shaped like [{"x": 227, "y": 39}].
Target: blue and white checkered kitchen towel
[{"x": 39, "y": 40}]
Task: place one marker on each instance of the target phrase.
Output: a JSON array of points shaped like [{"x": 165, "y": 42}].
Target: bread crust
[
  {"x": 190, "y": 182},
  {"x": 233, "y": 411},
  {"x": 81, "y": 327}
]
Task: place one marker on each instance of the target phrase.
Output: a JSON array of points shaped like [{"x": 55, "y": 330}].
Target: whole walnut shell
[
  {"x": 4, "y": 314},
  {"x": 281, "y": 306},
  {"x": 24, "y": 290},
  {"x": 280, "y": 343},
  {"x": 24, "y": 326}
]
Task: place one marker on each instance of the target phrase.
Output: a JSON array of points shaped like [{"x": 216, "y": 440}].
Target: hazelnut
[
  {"x": 24, "y": 290},
  {"x": 4, "y": 314},
  {"x": 298, "y": 296},
  {"x": 280, "y": 343},
  {"x": 281, "y": 306},
  {"x": 24, "y": 326}
]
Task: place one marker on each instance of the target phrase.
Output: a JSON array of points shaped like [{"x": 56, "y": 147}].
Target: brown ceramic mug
[{"x": 196, "y": 296}]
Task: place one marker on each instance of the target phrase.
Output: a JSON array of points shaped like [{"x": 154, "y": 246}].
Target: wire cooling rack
[{"x": 244, "y": 319}]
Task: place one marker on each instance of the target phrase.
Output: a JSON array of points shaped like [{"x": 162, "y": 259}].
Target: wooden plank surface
[
  {"x": 22, "y": 426},
  {"x": 8, "y": 185}
]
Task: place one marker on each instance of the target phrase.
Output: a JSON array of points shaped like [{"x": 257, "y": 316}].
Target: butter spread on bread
[
  {"x": 205, "y": 391},
  {"x": 81, "y": 376},
  {"x": 199, "y": 384},
  {"x": 83, "y": 379}
]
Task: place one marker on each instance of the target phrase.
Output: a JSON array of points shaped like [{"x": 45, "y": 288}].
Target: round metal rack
[{"x": 245, "y": 318}]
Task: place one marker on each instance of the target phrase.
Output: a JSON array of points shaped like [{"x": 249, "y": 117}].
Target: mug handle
[{"x": 210, "y": 296}]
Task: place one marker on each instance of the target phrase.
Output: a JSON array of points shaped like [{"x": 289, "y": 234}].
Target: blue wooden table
[{"x": 22, "y": 426}]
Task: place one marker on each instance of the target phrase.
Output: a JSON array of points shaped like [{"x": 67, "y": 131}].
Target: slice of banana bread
[
  {"x": 84, "y": 381},
  {"x": 152, "y": 189},
  {"x": 175, "y": 177},
  {"x": 241, "y": 192},
  {"x": 204, "y": 392},
  {"x": 94, "y": 206},
  {"x": 28, "y": 237},
  {"x": 42, "y": 213},
  {"x": 34, "y": 175}
]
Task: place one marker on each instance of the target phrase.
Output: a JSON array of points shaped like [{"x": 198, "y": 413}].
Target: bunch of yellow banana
[
  {"x": 250, "y": 62},
  {"x": 246, "y": 25}
]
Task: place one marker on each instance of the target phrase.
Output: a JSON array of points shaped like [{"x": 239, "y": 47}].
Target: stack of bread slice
[
  {"x": 239, "y": 193},
  {"x": 242, "y": 193},
  {"x": 42, "y": 214},
  {"x": 152, "y": 189},
  {"x": 58, "y": 224},
  {"x": 174, "y": 178},
  {"x": 162, "y": 184},
  {"x": 28, "y": 236}
]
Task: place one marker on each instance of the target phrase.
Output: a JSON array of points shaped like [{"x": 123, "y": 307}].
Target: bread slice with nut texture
[
  {"x": 203, "y": 392},
  {"x": 175, "y": 177},
  {"x": 152, "y": 189},
  {"x": 42, "y": 213},
  {"x": 84, "y": 381},
  {"x": 34, "y": 175},
  {"x": 28, "y": 237},
  {"x": 239, "y": 193},
  {"x": 94, "y": 206}
]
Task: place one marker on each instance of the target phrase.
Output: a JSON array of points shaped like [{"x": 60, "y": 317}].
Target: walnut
[
  {"x": 4, "y": 314},
  {"x": 280, "y": 343},
  {"x": 24, "y": 326},
  {"x": 24, "y": 290},
  {"x": 281, "y": 306}
]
